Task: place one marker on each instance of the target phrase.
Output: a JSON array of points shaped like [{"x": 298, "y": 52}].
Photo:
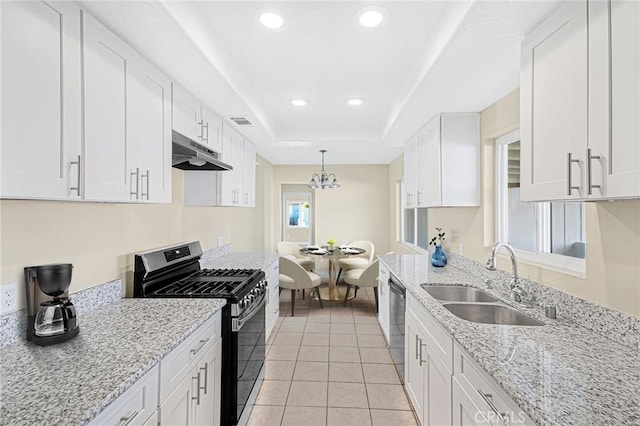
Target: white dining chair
[
  {"x": 367, "y": 277},
  {"x": 286, "y": 247},
  {"x": 294, "y": 277},
  {"x": 357, "y": 262}
]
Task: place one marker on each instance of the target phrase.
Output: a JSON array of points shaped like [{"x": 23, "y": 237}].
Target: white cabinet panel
[
  {"x": 212, "y": 129},
  {"x": 186, "y": 114},
  {"x": 248, "y": 198},
  {"x": 151, "y": 131},
  {"x": 179, "y": 407},
  {"x": 108, "y": 173},
  {"x": 383, "y": 302},
  {"x": 580, "y": 103},
  {"x": 207, "y": 407},
  {"x": 41, "y": 99},
  {"x": 553, "y": 105},
  {"x": 416, "y": 370},
  {"x": 442, "y": 162},
  {"x": 273, "y": 299}
]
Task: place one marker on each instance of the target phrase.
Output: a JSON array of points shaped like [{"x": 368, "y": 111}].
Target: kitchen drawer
[
  {"x": 439, "y": 341},
  {"x": 483, "y": 391},
  {"x": 134, "y": 407},
  {"x": 176, "y": 365}
]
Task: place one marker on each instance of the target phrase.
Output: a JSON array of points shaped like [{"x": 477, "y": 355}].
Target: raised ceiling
[{"x": 426, "y": 57}]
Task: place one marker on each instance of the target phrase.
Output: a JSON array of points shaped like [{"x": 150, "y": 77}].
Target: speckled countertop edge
[
  {"x": 240, "y": 261},
  {"x": 72, "y": 382},
  {"x": 560, "y": 373}
]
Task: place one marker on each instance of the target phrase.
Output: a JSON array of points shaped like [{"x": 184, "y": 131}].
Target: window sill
[
  {"x": 562, "y": 264},
  {"x": 413, "y": 247}
]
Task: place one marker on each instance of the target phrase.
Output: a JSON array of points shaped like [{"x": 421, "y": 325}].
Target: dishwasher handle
[{"x": 397, "y": 287}]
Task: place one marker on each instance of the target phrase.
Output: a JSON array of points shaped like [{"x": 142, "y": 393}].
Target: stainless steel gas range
[{"x": 175, "y": 272}]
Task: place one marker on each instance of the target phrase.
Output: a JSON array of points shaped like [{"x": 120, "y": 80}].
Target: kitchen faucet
[{"x": 517, "y": 294}]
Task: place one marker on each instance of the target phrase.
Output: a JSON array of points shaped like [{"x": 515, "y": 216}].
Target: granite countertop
[
  {"x": 240, "y": 261},
  {"x": 559, "y": 373},
  {"x": 72, "y": 382}
]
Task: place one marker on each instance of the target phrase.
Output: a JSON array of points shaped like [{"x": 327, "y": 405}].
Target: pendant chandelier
[{"x": 324, "y": 180}]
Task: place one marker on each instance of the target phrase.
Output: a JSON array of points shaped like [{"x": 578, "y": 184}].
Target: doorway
[{"x": 297, "y": 222}]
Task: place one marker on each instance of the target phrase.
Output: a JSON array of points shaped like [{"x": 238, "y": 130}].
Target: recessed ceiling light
[
  {"x": 355, "y": 101},
  {"x": 298, "y": 102},
  {"x": 371, "y": 16},
  {"x": 271, "y": 19}
]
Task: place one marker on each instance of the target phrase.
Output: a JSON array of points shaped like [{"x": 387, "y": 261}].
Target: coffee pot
[{"x": 51, "y": 317}]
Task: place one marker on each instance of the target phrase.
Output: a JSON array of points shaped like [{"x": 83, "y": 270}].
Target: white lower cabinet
[
  {"x": 190, "y": 379},
  {"x": 137, "y": 406},
  {"x": 383, "y": 301},
  {"x": 477, "y": 399},
  {"x": 184, "y": 389},
  {"x": 445, "y": 386},
  {"x": 427, "y": 367},
  {"x": 273, "y": 297}
]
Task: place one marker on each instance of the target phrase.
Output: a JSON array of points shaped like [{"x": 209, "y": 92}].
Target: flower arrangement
[
  {"x": 438, "y": 239},
  {"x": 331, "y": 242}
]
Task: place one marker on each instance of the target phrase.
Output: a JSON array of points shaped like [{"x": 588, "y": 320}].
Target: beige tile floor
[{"x": 330, "y": 367}]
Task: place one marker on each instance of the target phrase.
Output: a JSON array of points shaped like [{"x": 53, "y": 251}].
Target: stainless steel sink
[
  {"x": 490, "y": 314},
  {"x": 458, "y": 293}
]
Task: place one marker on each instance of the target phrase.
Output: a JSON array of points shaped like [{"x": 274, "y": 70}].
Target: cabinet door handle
[
  {"x": 197, "y": 397},
  {"x": 570, "y": 186},
  {"x": 246, "y": 198},
  {"x": 77, "y": 187},
  {"x": 408, "y": 199},
  {"x": 206, "y": 374},
  {"x": 488, "y": 398},
  {"x": 201, "y": 124},
  {"x": 590, "y": 157},
  {"x": 418, "y": 345},
  {"x": 145, "y": 194},
  {"x": 199, "y": 347},
  {"x": 137, "y": 175},
  {"x": 418, "y": 197},
  {"x": 422, "y": 361},
  {"x": 206, "y": 126},
  {"x": 124, "y": 421}
]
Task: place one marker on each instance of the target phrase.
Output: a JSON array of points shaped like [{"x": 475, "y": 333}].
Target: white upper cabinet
[
  {"x": 580, "y": 98},
  {"x": 248, "y": 198},
  {"x": 231, "y": 181},
  {"x": 41, "y": 100},
  {"x": 614, "y": 99},
  {"x": 195, "y": 120},
  {"x": 127, "y": 139},
  {"x": 108, "y": 174},
  {"x": 442, "y": 162},
  {"x": 150, "y": 126}
]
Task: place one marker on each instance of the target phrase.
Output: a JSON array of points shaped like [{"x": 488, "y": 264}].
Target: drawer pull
[
  {"x": 197, "y": 397},
  {"x": 488, "y": 398},
  {"x": 199, "y": 347},
  {"x": 422, "y": 361},
  {"x": 124, "y": 421},
  {"x": 206, "y": 374},
  {"x": 418, "y": 346}
]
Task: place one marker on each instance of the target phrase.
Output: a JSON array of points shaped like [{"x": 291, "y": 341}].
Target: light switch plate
[{"x": 220, "y": 241}]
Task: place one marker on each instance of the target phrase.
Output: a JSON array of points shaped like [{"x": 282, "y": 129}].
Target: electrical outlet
[
  {"x": 8, "y": 298},
  {"x": 220, "y": 241},
  {"x": 461, "y": 249}
]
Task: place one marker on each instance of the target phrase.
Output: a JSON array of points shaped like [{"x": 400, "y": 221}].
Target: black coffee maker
[{"x": 51, "y": 317}]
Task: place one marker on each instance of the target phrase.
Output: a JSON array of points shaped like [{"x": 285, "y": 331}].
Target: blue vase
[{"x": 438, "y": 258}]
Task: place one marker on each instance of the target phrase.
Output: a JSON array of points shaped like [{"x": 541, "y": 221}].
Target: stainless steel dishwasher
[{"x": 397, "y": 307}]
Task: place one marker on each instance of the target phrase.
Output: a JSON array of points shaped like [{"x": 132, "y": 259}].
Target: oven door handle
[{"x": 238, "y": 323}]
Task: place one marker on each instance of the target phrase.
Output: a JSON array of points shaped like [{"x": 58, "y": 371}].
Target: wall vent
[{"x": 241, "y": 121}]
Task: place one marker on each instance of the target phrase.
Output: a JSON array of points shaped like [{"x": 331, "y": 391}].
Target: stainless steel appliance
[
  {"x": 175, "y": 272},
  {"x": 51, "y": 317},
  {"x": 190, "y": 155},
  {"x": 397, "y": 308}
]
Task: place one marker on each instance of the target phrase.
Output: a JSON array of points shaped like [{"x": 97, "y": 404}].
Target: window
[
  {"x": 415, "y": 226},
  {"x": 550, "y": 234},
  {"x": 298, "y": 214}
]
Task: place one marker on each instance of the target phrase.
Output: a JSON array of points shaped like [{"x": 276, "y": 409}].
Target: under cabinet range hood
[{"x": 190, "y": 155}]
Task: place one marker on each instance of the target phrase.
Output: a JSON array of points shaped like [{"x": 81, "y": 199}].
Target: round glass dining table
[{"x": 333, "y": 292}]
